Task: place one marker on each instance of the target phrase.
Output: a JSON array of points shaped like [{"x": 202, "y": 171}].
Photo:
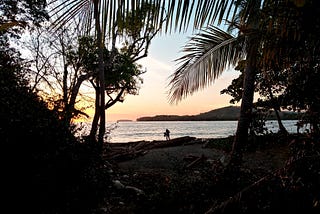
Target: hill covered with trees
[{"x": 225, "y": 113}]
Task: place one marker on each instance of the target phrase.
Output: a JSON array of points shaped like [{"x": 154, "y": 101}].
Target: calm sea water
[{"x": 136, "y": 131}]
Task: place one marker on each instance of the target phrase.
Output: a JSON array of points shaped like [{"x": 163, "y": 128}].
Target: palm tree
[
  {"x": 212, "y": 52},
  {"x": 252, "y": 40},
  {"x": 267, "y": 33}
]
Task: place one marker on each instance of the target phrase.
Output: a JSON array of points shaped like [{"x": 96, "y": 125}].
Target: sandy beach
[{"x": 177, "y": 157}]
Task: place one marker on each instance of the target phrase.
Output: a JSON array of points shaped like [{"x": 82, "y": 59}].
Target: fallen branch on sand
[
  {"x": 199, "y": 159},
  {"x": 119, "y": 185}
]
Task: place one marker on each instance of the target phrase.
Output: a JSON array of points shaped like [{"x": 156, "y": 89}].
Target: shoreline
[
  {"x": 178, "y": 141},
  {"x": 153, "y": 131},
  {"x": 155, "y": 141}
]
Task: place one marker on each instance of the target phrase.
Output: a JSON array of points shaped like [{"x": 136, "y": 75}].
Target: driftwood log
[{"x": 126, "y": 151}]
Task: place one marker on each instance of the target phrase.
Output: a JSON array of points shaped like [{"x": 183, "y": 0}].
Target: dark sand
[{"x": 176, "y": 157}]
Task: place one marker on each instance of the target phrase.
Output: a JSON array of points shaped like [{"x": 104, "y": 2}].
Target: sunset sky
[{"x": 153, "y": 100}]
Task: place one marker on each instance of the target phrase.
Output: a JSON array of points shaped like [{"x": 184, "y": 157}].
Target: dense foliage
[
  {"x": 44, "y": 168},
  {"x": 122, "y": 76}
]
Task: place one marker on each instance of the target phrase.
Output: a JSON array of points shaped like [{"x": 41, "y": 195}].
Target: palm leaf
[
  {"x": 67, "y": 10},
  {"x": 178, "y": 13},
  {"x": 208, "y": 54}
]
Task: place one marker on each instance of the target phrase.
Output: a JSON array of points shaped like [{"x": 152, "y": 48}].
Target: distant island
[
  {"x": 124, "y": 120},
  {"x": 226, "y": 113}
]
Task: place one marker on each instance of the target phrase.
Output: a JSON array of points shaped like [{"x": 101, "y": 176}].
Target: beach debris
[
  {"x": 224, "y": 159},
  {"x": 120, "y": 185},
  {"x": 135, "y": 189},
  {"x": 196, "y": 161},
  {"x": 126, "y": 151}
]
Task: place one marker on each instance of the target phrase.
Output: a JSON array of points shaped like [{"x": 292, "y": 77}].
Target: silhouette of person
[{"x": 167, "y": 134}]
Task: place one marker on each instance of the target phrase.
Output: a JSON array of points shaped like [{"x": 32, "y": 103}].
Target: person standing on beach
[{"x": 167, "y": 134}]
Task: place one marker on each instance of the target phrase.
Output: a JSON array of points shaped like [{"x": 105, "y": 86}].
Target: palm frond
[
  {"x": 67, "y": 10},
  {"x": 178, "y": 13},
  {"x": 208, "y": 54}
]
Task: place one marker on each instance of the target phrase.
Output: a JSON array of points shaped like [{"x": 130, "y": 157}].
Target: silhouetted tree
[
  {"x": 56, "y": 74},
  {"x": 140, "y": 16},
  {"x": 266, "y": 85}
]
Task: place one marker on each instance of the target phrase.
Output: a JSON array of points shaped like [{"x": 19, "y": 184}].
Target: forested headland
[{"x": 225, "y": 113}]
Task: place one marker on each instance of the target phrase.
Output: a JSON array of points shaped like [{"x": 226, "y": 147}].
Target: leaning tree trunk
[
  {"x": 241, "y": 137},
  {"x": 276, "y": 108},
  {"x": 95, "y": 121}
]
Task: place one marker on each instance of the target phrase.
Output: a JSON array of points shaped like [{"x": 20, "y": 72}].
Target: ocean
[{"x": 122, "y": 132}]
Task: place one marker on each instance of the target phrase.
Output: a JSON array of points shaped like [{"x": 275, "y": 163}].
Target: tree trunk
[
  {"x": 66, "y": 107},
  {"x": 241, "y": 137},
  {"x": 101, "y": 78},
  {"x": 102, "y": 127},
  {"x": 282, "y": 129},
  {"x": 314, "y": 122},
  {"x": 74, "y": 93}
]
